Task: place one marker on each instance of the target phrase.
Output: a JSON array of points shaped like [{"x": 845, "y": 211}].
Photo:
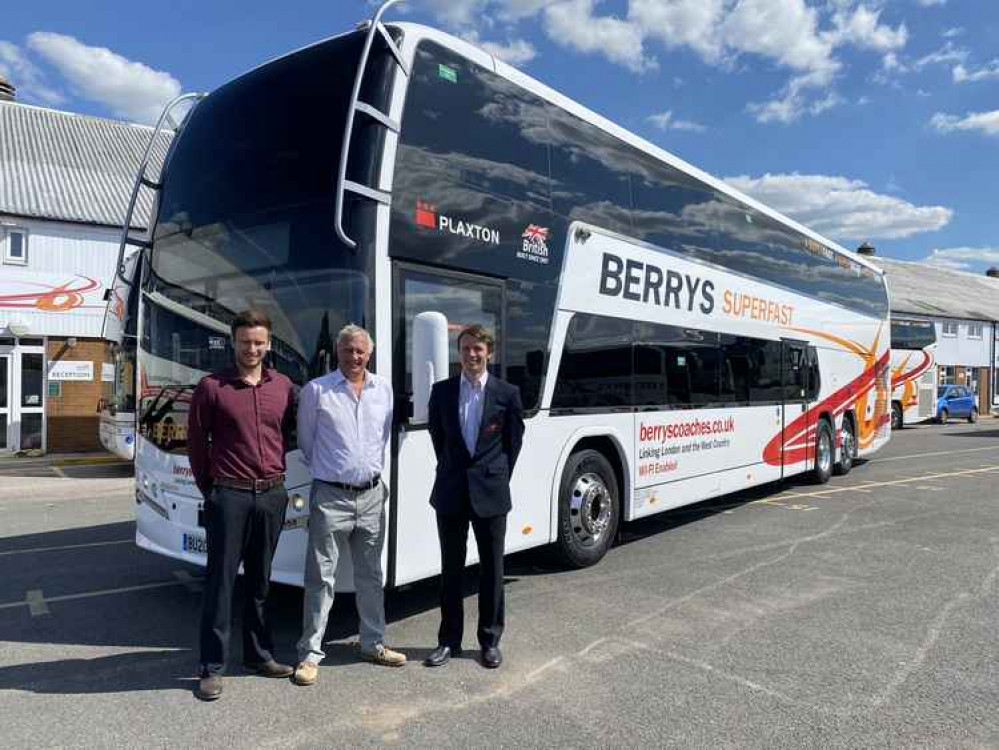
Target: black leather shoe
[
  {"x": 209, "y": 687},
  {"x": 441, "y": 656},
  {"x": 269, "y": 668},
  {"x": 492, "y": 657}
]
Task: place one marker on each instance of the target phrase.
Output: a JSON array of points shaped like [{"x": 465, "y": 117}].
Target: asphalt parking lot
[{"x": 862, "y": 613}]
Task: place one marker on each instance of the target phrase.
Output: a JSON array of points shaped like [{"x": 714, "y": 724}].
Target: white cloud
[
  {"x": 984, "y": 73},
  {"x": 945, "y": 55},
  {"x": 793, "y": 101},
  {"x": 130, "y": 89},
  {"x": 961, "y": 258},
  {"x": 572, "y": 23},
  {"x": 929, "y": 3},
  {"x": 514, "y": 52},
  {"x": 985, "y": 122},
  {"x": 842, "y": 208},
  {"x": 666, "y": 121},
  {"x": 683, "y": 23},
  {"x": 953, "y": 31},
  {"x": 462, "y": 14},
  {"x": 862, "y": 28},
  {"x": 25, "y": 76}
]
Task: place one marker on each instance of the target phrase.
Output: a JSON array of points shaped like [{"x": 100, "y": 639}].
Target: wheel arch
[{"x": 611, "y": 444}]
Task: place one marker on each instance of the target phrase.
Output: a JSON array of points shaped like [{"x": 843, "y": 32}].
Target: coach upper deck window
[{"x": 466, "y": 124}]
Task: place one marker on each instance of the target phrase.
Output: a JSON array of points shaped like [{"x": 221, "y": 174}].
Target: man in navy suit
[{"x": 477, "y": 426}]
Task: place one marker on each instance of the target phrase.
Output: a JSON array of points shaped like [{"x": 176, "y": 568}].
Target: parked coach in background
[
  {"x": 477, "y": 426},
  {"x": 238, "y": 432}
]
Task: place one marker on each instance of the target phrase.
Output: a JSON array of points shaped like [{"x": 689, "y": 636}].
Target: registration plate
[{"x": 195, "y": 543}]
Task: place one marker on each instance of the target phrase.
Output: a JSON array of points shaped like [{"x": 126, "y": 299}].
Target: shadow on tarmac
[{"x": 164, "y": 619}]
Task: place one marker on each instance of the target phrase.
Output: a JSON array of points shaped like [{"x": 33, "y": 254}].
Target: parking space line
[
  {"x": 65, "y": 547},
  {"x": 935, "y": 453},
  {"x": 91, "y": 594},
  {"x": 191, "y": 583},
  {"x": 923, "y": 478},
  {"x": 36, "y": 603}
]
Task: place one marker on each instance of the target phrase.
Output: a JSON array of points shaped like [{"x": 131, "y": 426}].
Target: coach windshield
[{"x": 246, "y": 220}]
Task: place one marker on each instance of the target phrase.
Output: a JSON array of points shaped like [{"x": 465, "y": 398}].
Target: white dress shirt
[
  {"x": 343, "y": 436},
  {"x": 471, "y": 399}
]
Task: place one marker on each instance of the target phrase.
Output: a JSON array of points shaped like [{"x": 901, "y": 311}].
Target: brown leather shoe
[
  {"x": 306, "y": 673},
  {"x": 383, "y": 655},
  {"x": 269, "y": 668},
  {"x": 209, "y": 687}
]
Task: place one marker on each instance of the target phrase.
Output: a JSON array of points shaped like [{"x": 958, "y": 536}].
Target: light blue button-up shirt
[
  {"x": 471, "y": 400},
  {"x": 343, "y": 437}
]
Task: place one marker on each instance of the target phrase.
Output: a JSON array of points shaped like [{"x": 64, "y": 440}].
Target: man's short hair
[
  {"x": 251, "y": 318},
  {"x": 478, "y": 332},
  {"x": 349, "y": 331}
]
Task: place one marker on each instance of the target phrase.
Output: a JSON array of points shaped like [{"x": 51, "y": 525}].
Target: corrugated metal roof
[
  {"x": 69, "y": 167},
  {"x": 921, "y": 289}
]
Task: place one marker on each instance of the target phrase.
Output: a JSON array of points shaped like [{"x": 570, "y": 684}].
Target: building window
[
  {"x": 974, "y": 330},
  {"x": 15, "y": 246},
  {"x": 949, "y": 329}
]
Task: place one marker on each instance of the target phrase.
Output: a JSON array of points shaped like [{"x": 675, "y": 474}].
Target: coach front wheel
[
  {"x": 823, "y": 452},
  {"x": 589, "y": 509},
  {"x": 896, "y": 416}
]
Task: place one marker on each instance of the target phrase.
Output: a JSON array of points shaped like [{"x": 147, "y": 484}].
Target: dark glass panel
[
  {"x": 32, "y": 378},
  {"x": 737, "y": 365},
  {"x": 590, "y": 178},
  {"x": 596, "y": 365},
  {"x": 674, "y": 211},
  {"x": 31, "y": 431},
  {"x": 469, "y": 125}
]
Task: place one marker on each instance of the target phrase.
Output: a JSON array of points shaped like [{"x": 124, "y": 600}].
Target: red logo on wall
[{"x": 426, "y": 215}]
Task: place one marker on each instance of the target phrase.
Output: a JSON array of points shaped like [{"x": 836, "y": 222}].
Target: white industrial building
[
  {"x": 65, "y": 181},
  {"x": 964, "y": 309}
]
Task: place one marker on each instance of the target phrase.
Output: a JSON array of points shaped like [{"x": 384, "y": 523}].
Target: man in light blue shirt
[{"x": 344, "y": 423}]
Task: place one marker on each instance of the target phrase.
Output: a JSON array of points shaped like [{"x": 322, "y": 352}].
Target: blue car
[{"x": 956, "y": 401}]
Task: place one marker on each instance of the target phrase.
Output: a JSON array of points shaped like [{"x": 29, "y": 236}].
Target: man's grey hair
[{"x": 349, "y": 331}]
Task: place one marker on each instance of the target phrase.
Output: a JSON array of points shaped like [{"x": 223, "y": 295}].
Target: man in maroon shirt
[{"x": 237, "y": 435}]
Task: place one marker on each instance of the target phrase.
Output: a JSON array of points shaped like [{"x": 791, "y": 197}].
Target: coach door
[
  {"x": 430, "y": 308},
  {"x": 798, "y": 442}
]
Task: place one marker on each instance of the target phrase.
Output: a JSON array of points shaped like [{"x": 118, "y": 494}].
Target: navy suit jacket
[{"x": 480, "y": 480}]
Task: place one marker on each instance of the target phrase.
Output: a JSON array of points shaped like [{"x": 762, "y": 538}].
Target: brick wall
[{"x": 72, "y": 417}]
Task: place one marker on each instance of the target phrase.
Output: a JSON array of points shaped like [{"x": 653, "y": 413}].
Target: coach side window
[
  {"x": 596, "y": 364},
  {"x": 672, "y": 210},
  {"x": 469, "y": 125},
  {"x": 590, "y": 182}
]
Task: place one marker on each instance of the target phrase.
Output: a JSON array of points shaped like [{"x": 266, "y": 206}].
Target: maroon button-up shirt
[{"x": 238, "y": 430}]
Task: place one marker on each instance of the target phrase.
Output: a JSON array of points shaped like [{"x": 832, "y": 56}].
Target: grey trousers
[{"x": 340, "y": 519}]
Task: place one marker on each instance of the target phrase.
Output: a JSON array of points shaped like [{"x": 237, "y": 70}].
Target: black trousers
[
  {"x": 490, "y": 533},
  {"x": 243, "y": 527}
]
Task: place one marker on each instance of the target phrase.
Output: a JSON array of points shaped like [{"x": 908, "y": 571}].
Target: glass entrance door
[{"x": 5, "y": 384}]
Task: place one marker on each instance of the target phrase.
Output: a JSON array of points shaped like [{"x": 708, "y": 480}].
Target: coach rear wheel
[
  {"x": 896, "y": 416},
  {"x": 847, "y": 448},
  {"x": 589, "y": 509},
  {"x": 823, "y": 452}
]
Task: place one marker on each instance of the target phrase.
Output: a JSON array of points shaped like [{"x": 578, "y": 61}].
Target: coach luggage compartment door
[{"x": 797, "y": 430}]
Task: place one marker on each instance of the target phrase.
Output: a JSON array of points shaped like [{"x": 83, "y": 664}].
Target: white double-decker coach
[{"x": 673, "y": 340}]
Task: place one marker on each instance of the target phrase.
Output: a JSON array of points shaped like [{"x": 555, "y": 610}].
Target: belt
[
  {"x": 369, "y": 485},
  {"x": 252, "y": 485}
]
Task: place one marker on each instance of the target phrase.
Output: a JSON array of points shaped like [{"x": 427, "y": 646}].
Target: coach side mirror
[{"x": 429, "y": 358}]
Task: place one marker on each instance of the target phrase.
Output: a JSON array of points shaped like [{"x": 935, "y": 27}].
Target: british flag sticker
[{"x": 535, "y": 245}]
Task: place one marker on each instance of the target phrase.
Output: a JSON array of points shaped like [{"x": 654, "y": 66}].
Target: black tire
[
  {"x": 589, "y": 509},
  {"x": 896, "y": 416},
  {"x": 848, "y": 448},
  {"x": 944, "y": 416},
  {"x": 973, "y": 416},
  {"x": 824, "y": 452}
]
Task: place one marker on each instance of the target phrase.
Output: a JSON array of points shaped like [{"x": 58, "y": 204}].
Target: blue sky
[{"x": 864, "y": 119}]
